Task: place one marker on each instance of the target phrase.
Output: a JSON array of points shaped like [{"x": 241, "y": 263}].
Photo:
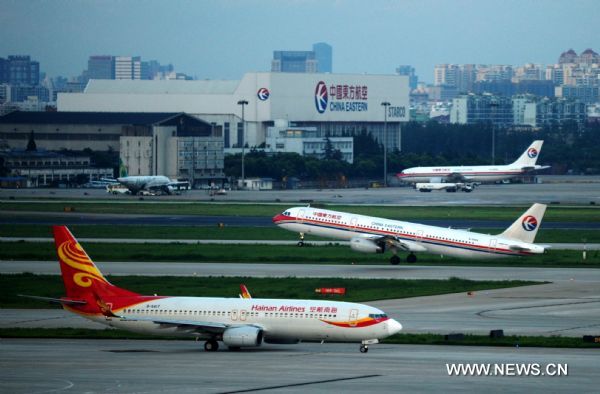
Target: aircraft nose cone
[
  {"x": 277, "y": 218},
  {"x": 394, "y": 327}
]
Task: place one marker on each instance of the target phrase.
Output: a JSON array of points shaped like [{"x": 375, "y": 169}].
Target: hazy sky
[{"x": 224, "y": 39}]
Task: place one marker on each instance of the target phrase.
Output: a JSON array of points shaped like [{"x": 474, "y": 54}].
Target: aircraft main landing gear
[
  {"x": 395, "y": 260},
  {"x": 211, "y": 345},
  {"x": 411, "y": 258}
]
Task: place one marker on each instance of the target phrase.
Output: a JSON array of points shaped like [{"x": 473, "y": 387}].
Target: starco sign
[{"x": 341, "y": 98}]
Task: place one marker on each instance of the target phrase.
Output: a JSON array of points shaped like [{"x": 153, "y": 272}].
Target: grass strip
[
  {"x": 405, "y": 339},
  {"x": 325, "y": 254},
  {"x": 553, "y": 213},
  {"x": 357, "y": 290},
  {"x": 243, "y": 233}
]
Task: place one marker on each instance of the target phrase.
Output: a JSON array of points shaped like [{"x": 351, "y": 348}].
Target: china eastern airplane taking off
[
  {"x": 525, "y": 163},
  {"x": 376, "y": 235},
  {"x": 238, "y": 322}
]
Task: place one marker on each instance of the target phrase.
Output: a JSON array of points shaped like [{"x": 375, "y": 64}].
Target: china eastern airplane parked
[
  {"x": 238, "y": 322},
  {"x": 525, "y": 163},
  {"x": 156, "y": 183},
  {"x": 376, "y": 235}
]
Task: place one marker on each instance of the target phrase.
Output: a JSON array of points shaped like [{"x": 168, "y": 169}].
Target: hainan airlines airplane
[
  {"x": 525, "y": 163},
  {"x": 376, "y": 235},
  {"x": 238, "y": 322}
]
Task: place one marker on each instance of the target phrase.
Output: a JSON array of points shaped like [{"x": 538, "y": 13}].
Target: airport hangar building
[{"x": 337, "y": 105}]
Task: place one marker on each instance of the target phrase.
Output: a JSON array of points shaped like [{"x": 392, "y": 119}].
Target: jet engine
[
  {"x": 366, "y": 245},
  {"x": 243, "y": 336}
]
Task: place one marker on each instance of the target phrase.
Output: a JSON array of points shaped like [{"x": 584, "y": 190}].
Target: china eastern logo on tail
[
  {"x": 263, "y": 94},
  {"x": 529, "y": 223},
  {"x": 321, "y": 97},
  {"x": 532, "y": 152}
]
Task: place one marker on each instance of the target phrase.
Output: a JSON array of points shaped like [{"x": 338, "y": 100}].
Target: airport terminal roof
[
  {"x": 123, "y": 86},
  {"x": 133, "y": 118}
]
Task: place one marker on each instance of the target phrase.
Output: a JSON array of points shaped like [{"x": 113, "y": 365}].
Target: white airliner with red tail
[
  {"x": 376, "y": 235},
  {"x": 524, "y": 164},
  {"x": 237, "y": 322}
]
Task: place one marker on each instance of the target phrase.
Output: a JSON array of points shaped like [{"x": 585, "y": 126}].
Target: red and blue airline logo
[
  {"x": 529, "y": 223},
  {"x": 321, "y": 97},
  {"x": 532, "y": 152},
  {"x": 263, "y": 94}
]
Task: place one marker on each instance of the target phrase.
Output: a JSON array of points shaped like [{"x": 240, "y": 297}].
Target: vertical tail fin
[
  {"x": 531, "y": 154},
  {"x": 526, "y": 227},
  {"x": 80, "y": 275},
  {"x": 244, "y": 292}
]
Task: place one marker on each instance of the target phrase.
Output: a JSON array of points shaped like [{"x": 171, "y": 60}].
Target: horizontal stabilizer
[{"x": 64, "y": 301}]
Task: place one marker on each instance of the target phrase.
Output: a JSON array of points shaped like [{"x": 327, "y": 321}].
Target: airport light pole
[
  {"x": 385, "y": 105},
  {"x": 493, "y": 106},
  {"x": 243, "y": 103}
]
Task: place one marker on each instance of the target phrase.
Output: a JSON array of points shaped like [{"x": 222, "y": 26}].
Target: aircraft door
[
  {"x": 353, "y": 317},
  {"x": 301, "y": 214},
  {"x": 234, "y": 315},
  {"x": 419, "y": 236},
  {"x": 353, "y": 222},
  {"x": 493, "y": 243},
  {"x": 243, "y": 314}
]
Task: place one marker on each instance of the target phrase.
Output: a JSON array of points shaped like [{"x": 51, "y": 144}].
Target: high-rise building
[
  {"x": 294, "y": 62},
  {"x": 323, "y": 55},
  {"x": 128, "y": 67},
  {"x": 319, "y": 60},
  {"x": 413, "y": 79},
  {"x": 23, "y": 71},
  {"x": 101, "y": 67}
]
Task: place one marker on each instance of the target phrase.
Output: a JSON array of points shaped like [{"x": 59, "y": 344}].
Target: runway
[{"x": 180, "y": 366}]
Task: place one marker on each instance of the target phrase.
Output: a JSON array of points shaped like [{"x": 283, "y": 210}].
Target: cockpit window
[
  {"x": 286, "y": 213},
  {"x": 377, "y": 315}
]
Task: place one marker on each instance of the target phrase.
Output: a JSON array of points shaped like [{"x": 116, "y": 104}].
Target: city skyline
[{"x": 225, "y": 39}]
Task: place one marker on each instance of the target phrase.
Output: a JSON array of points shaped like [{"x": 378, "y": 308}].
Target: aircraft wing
[
  {"x": 179, "y": 184},
  {"x": 183, "y": 325},
  {"x": 456, "y": 177},
  {"x": 402, "y": 244}
]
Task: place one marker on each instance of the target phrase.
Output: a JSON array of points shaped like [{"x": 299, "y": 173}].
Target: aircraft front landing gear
[
  {"x": 211, "y": 345},
  {"x": 301, "y": 242},
  {"x": 364, "y": 348}
]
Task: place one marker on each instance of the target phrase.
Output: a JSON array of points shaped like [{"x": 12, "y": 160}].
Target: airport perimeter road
[
  {"x": 590, "y": 275},
  {"x": 47, "y": 365},
  {"x": 567, "y": 190}
]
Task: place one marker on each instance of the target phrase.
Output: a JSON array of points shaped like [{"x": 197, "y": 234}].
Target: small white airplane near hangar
[
  {"x": 238, "y": 322},
  {"x": 473, "y": 174},
  {"x": 376, "y": 235}
]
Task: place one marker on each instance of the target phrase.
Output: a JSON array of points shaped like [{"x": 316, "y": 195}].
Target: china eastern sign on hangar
[{"x": 335, "y": 97}]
